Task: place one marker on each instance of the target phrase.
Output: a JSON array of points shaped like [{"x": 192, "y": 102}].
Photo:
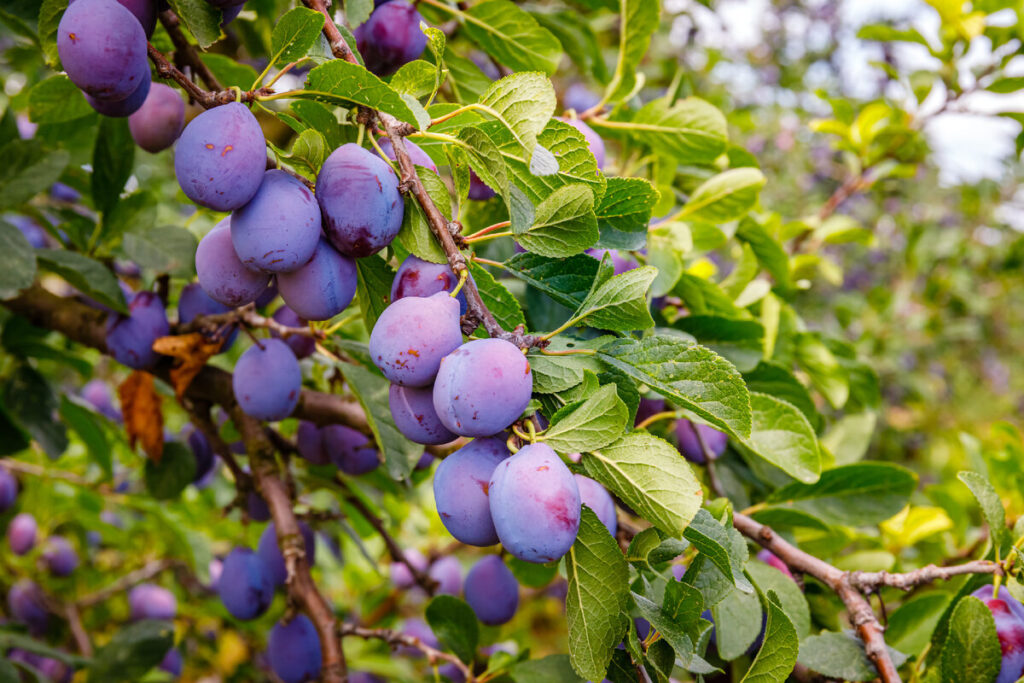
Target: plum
[
  {"x": 130, "y": 338},
  {"x": 391, "y": 37},
  {"x": 412, "y": 409},
  {"x": 461, "y": 486},
  {"x": 194, "y": 302},
  {"x": 27, "y": 604},
  {"x": 302, "y": 346},
  {"x": 8, "y": 489},
  {"x": 102, "y": 47},
  {"x": 350, "y": 449},
  {"x": 60, "y": 556},
  {"x": 769, "y": 558},
  {"x": 448, "y": 573},
  {"x": 120, "y": 109},
  {"x": 269, "y": 551},
  {"x": 416, "y": 154},
  {"x": 149, "y": 601},
  {"x": 144, "y": 11},
  {"x": 158, "y": 122},
  {"x": 256, "y": 507},
  {"x": 418, "y": 629},
  {"x": 401, "y": 577},
  {"x": 267, "y": 380},
  {"x": 690, "y": 446},
  {"x": 245, "y": 586},
  {"x": 416, "y": 277},
  {"x": 221, "y": 274},
  {"x": 172, "y": 662},
  {"x": 579, "y": 97},
  {"x": 411, "y": 337},
  {"x": 202, "y": 450},
  {"x": 478, "y": 189},
  {"x": 279, "y": 228},
  {"x": 293, "y": 650},
  {"x": 33, "y": 232},
  {"x": 309, "y": 441},
  {"x": 321, "y": 288},
  {"x": 21, "y": 533},
  {"x": 597, "y": 498},
  {"x": 492, "y": 591}
]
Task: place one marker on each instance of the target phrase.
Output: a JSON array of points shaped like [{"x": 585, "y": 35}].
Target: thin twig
[
  {"x": 396, "y": 639},
  {"x": 132, "y": 578},
  {"x": 868, "y": 582}
]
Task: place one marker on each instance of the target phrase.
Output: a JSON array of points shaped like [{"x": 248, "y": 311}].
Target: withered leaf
[
  {"x": 191, "y": 351},
  {"x": 143, "y": 416}
]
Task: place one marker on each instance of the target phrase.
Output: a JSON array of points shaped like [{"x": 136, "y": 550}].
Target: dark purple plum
[
  {"x": 8, "y": 490},
  {"x": 412, "y": 408},
  {"x": 52, "y": 670},
  {"x": 256, "y": 507},
  {"x": 231, "y": 13},
  {"x": 172, "y": 662},
  {"x": 194, "y": 302},
  {"x": 221, "y": 157},
  {"x": 535, "y": 504},
  {"x": 416, "y": 277},
  {"x": 268, "y": 551},
  {"x": 350, "y": 449},
  {"x": 21, "y": 533},
  {"x": 597, "y": 498},
  {"x": 411, "y": 337},
  {"x": 27, "y": 604},
  {"x": 97, "y": 393},
  {"x": 448, "y": 573},
  {"x": 461, "y": 485},
  {"x": 102, "y": 47},
  {"x": 158, "y": 122},
  {"x": 302, "y": 346},
  {"x": 416, "y": 153},
  {"x": 130, "y": 338},
  {"x": 689, "y": 444},
  {"x": 144, "y": 11},
  {"x": 579, "y": 97},
  {"x": 149, "y": 601},
  {"x": 120, "y": 109},
  {"x": 359, "y": 199},
  {"x": 594, "y": 141},
  {"x": 492, "y": 591},
  {"x": 268, "y": 295},
  {"x": 482, "y": 387},
  {"x": 478, "y": 189},
  {"x": 310, "y": 442},
  {"x": 202, "y": 450},
  {"x": 391, "y": 37},
  {"x": 245, "y": 586},
  {"x": 321, "y": 288},
  {"x": 33, "y": 232},
  {"x": 267, "y": 380},
  {"x": 279, "y": 228},
  {"x": 60, "y": 556},
  {"x": 401, "y": 577},
  {"x": 293, "y": 650},
  {"x": 648, "y": 408},
  {"x": 425, "y": 461}
]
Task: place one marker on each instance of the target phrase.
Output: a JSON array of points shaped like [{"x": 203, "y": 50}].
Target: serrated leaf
[
  {"x": 724, "y": 547},
  {"x": 639, "y": 22},
  {"x": 28, "y": 169},
  {"x": 416, "y": 78},
  {"x": 373, "y": 287},
  {"x": 497, "y": 298},
  {"x": 524, "y": 102},
  {"x": 689, "y": 375},
  {"x": 597, "y": 597},
  {"x": 309, "y": 149},
  {"x": 201, "y": 18},
  {"x": 340, "y": 82},
  {"x": 17, "y": 261},
  {"x": 648, "y": 474},
  {"x": 567, "y": 281},
  {"x": 737, "y": 623},
  {"x": 556, "y": 373},
  {"x": 595, "y": 423},
  {"x": 690, "y": 132},
  {"x": 512, "y": 36},
  {"x": 56, "y": 100},
  {"x": 620, "y": 303},
  {"x": 991, "y": 507},
  {"x": 88, "y": 276},
  {"x": 782, "y": 436},
  {"x": 294, "y": 33},
  {"x": 625, "y": 207},
  {"x": 455, "y": 625},
  {"x": 738, "y": 341},
  {"x": 972, "y": 649},
  {"x": 777, "y": 656},
  {"x": 485, "y": 159},
  {"x": 415, "y": 234},
  {"x": 550, "y": 669},
  {"x": 858, "y": 494},
  {"x": 775, "y": 380},
  {"x": 466, "y": 79},
  {"x": 724, "y": 197},
  {"x": 677, "y": 618},
  {"x": 564, "y": 224}
]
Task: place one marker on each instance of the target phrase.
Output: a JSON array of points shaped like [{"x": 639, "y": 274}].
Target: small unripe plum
[
  {"x": 245, "y": 586},
  {"x": 535, "y": 504},
  {"x": 60, "y": 556},
  {"x": 597, "y": 498},
  {"x": 448, "y": 573},
  {"x": 278, "y": 229},
  {"x": 359, "y": 198},
  {"x": 221, "y": 274},
  {"x": 221, "y": 157},
  {"x": 8, "y": 489},
  {"x": 267, "y": 380},
  {"x": 322, "y": 287},
  {"x": 172, "y": 662},
  {"x": 149, "y": 601},
  {"x": 391, "y": 37},
  {"x": 492, "y": 591},
  {"x": 416, "y": 154},
  {"x": 401, "y": 577},
  {"x": 159, "y": 121},
  {"x": 411, "y": 337},
  {"x": 310, "y": 443},
  {"x": 27, "y": 604},
  {"x": 293, "y": 650},
  {"x": 102, "y": 47},
  {"x": 482, "y": 387},
  {"x": 350, "y": 449},
  {"x": 689, "y": 444},
  {"x": 130, "y": 338},
  {"x": 302, "y": 346},
  {"x": 594, "y": 141},
  {"x": 413, "y": 411},
  {"x": 269, "y": 551},
  {"x": 416, "y": 277},
  {"x": 21, "y": 533},
  {"x": 120, "y": 109},
  {"x": 461, "y": 488}
]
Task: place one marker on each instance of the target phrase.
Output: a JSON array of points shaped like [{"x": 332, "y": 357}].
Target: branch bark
[
  {"x": 396, "y": 639},
  {"x": 868, "y": 582}
]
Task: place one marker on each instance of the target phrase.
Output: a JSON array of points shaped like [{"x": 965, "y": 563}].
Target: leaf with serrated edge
[
  {"x": 691, "y": 131},
  {"x": 497, "y": 298},
  {"x": 620, "y": 303},
  {"x": 564, "y": 223},
  {"x": 415, "y": 234},
  {"x": 627, "y": 204},
  {"x": 722, "y": 546},
  {"x": 595, "y": 423},
  {"x": 524, "y": 102},
  {"x": 554, "y": 373},
  {"x": 373, "y": 287},
  {"x": 782, "y": 435},
  {"x": 340, "y": 82},
  {"x": 201, "y": 18},
  {"x": 294, "y": 33},
  {"x": 512, "y": 36},
  {"x": 991, "y": 507},
  {"x": 778, "y": 653},
  {"x": 567, "y": 281},
  {"x": 972, "y": 651}
]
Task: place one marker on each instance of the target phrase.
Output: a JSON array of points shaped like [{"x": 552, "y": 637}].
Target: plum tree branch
[
  {"x": 247, "y": 315},
  {"x": 868, "y": 582},
  {"x": 186, "y": 51},
  {"x": 396, "y": 639},
  {"x": 132, "y": 578}
]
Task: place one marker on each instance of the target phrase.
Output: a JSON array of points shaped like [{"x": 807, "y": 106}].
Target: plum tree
[
  {"x": 416, "y": 277},
  {"x": 102, "y": 46},
  {"x": 597, "y": 498},
  {"x": 302, "y": 346},
  {"x": 690, "y": 444},
  {"x": 269, "y": 552},
  {"x": 158, "y": 123},
  {"x": 492, "y": 591},
  {"x": 535, "y": 504},
  {"x": 221, "y": 274},
  {"x": 149, "y": 601},
  {"x": 130, "y": 338},
  {"x": 293, "y": 650},
  {"x": 359, "y": 198},
  {"x": 461, "y": 485},
  {"x": 447, "y": 572},
  {"x": 21, "y": 533},
  {"x": 60, "y": 556},
  {"x": 350, "y": 449},
  {"x": 323, "y": 286},
  {"x": 267, "y": 380},
  {"x": 411, "y": 337},
  {"x": 245, "y": 586},
  {"x": 391, "y": 37},
  {"x": 8, "y": 490},
  {"x": 221, "y": 157},
  {"x": 482, "y": 387},
  {"x": 412, "y": 409},
  {"x": 279, "y": 228}
]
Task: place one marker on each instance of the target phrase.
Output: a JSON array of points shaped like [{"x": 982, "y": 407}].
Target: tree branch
[
  {"x": 868, "y": 582},
  {"x": 396, "y": 639},
  {"x": 144, "y": 573},
  {"x": 186, "y": 51}
]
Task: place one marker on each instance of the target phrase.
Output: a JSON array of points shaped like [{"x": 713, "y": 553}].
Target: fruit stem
[
  {"x": 341, "y": 323},
  {"x": 668, "y": 414},
  {"x": 483, "y": 238},
  {"x": 489, "y": 228},
  {"x": 569, "y": 352},
  {"x": 511, "y": 445},
  {"x": 522, "y": 435},
  {"x": 463, "y": 276}
]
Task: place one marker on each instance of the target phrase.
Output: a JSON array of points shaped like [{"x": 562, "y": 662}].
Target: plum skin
[
  {"x": 126, "y": 107},
  {"x": 359, "y": 199},
  {"x": 412, "y": 409},
  {"x": 221, "y": 157},
  {"x": 323, "y": 286},
  {"x": 245, "y": 586},
  {"x": 391, "y": 37},
  {"x": 22, "y": 532},
  {"x": 401, "y": 577},
  {"x": 303, "y": 347},
  {"x": 1008, "y": 614},
  {"x": 149, "y": 601},
  {"x": 689, "y": 444},
  {"x": 448, "y": 573},
  {"x": 293, "y": 650},
  {"x": 267, "y": 381},
  {"x": 416, "y": 154},
  {"x": 461, "y": 490},
  {"x": 416, "y": 277},
  {"x": 102, "y": 47},
  {"x": 411, "y": 337},
  {"x": 349, "y": 449},
  {"x": 535, "y": 504},
  {"x": 8, "y": 489},
  {"x": 492, "y": 591},
  {"x": 597, "y": 498},
  {"x": 159, "y": 121},
  {"x": 310, "y": 443},
  {"x": 220, "y": 272},
  {"x": 482, "y": 387},
  {"x": 279, "y": 228},
  {"x": 130, "y": 338},
  {"x": 26, "y": 603},
  {"x": 60, "y": 557},
  {"x": 269, "y": 551}
]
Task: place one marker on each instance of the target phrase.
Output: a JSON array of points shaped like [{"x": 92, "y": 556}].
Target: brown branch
[
  {"x": 78, "y": 632},
  {"x": 339, "y": 47},
  {"x": 868, "y": 582},
  {"x": 247, "y": 315},
  {"x": 186, "y": 51},
  {"x": 205, "y": 98},
  {"x": 199, "y": 415},
  {"x": 396, "y": 639},
  {"x": 144, "y": 573}
]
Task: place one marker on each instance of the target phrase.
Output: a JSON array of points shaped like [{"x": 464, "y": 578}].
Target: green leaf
[
  {"x": 524, "y": 102},
  {"x": 564, "y": 223},
  {"x": 56, "y": 100},
  {"x": 723, "y": 547},
  {"x": 639, "y": 21},
  {"x": 512, "y": 36},
  {"x": 782, "y": 436},
  {"x": 309, "y": 149},
  {"x": 573, "y": 31},
  {"x": 737, "y": 623},
  {"x": 485, "y": 159},
  {"x": 596, "y": 601},
  {"x": 17, "y": 262},
  {"x": 555, "y": 373},
  {"x": 373, "y": 287},
  {"x": 620, "y": 303},
  {"x": 230, "y": 72},
  {"x": 775, "y": 380},
  {"x": 677, "y": 618},
  {"x": 567, "y": 281},
  {"x": 167, "y": 249},
  {"x": 12, "y": 439},
  {"x": 550, "y": 669},
  {"x": 859, "y": 494},
  {"x": 340, "y": 82},
  {"x": 10, "y": 639},
  {"x": 738, "y": 341},
  {"x": 135, "y": 213},
  {"x": 88, "y": 276},
  {"x": 690, "y": 132},
  {"x": 689, "y": 375},
  {"x": 30, "y": 402},
  {"x": 991, "y": 507},
  {"x": 1007, "y": 84},
  {"x": 971, "y": 651},
  {"x": 294, "y": 33},
  {"x": 838, "y": 655},
  {"x": 497, "y": 298},
  {"x": 8, "y": 673},
  {"x": 201, "y": 19},
  {"x": 320, "y": 118},
  {"x": 50, "y": 13},
  {"x": 791, "y": 598},
  {"x": 112, "y": 161},
  {"x": 647, "y": 473},
  {"x": 465, "y": 77},
  {"x": 769, "y": 252},
  {"x": 911, "y": 626},
  {"x": 778, "y": 653},
  {"x": 724, "y": 197},
  {"x": 416, "y": 235},
  {"x": 625, "y": 207},
  {"x": 400, "y": 454},
  {"x": 89, "y": 429},
  {"x": 28, "y": 169},
  {"x": 532, "y": 574},
  {"x": 133, "y": 651},
  {"x": 596, "y": 422},
  {"x": 823, "y": 367},
  {"x": 165, "y": 480},
  {"x": 455, "y": 625},
  {"x": 417, "y": 78},
  {"x": 358, "y": 11}
]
